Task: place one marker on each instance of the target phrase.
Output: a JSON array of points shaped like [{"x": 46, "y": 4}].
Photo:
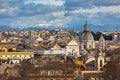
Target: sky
[{"x": 100, "y": 14}]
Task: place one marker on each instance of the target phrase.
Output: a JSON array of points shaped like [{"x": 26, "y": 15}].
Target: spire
[
  {"x": 86, "y": 26},
  {"x": 101, "y": 38}
]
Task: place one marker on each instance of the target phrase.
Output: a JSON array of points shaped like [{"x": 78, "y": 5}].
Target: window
[
  {"x": 3, "y": 50},
  {"x": 50, "y": 72},
  {"x": 43, "y": 72},
  {"x": 73, "y": 49},
  {"x": 44, "y": 62},
  {"x": 73, "y": 53},
  {"x": 89, "y": 46},
  {"x": 101, "y": 63},
  {"x": 84, "y": 46},
  {"x": 58, "y": 72}
]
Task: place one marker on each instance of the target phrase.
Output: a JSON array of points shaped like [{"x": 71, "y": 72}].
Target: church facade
[{"x": 73, "y": 48}]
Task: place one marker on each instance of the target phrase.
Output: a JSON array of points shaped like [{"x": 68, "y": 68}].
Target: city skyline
[{"x": 100, "y": 14}]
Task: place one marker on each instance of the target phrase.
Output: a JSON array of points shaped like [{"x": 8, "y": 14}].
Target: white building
[
  {"x": 100, "y": 60},
  {"x": 73, "y": 48}
]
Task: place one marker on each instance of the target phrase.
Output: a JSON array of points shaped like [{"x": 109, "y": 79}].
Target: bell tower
[
  {"x": 100, "y": 59},
  {"x": 101, "y": 42}
]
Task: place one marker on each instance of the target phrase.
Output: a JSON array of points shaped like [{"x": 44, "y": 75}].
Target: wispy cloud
[{"x": 46, "y": 2}]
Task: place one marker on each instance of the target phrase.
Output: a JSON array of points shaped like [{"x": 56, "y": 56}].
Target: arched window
[
  {"x": 90, "y": 46},
  {"x": 9, "y": 49},
  {"x": 101, "y": 63},
  {"x": 84, "y": 46}
]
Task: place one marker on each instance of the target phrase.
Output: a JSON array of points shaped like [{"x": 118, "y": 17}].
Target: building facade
[{"x": 73, "y": 48}]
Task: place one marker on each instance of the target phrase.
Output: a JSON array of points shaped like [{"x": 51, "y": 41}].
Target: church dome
[{"x": 87, "y": 35}]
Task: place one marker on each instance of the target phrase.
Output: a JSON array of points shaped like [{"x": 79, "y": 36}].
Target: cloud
[
  {"x": 75, "y": 4},
  {"x": 2, "y": 10},
  {"x": 67, "y": 13},
  {"x": 18, "y": 8},
  {"x": 43, "y": 25},
  {"x": 106, "y": 2},
  {"x": 95, "y": 10},
  {"x": 90, "y": 3},
  {"x": 57, "y": 14},
  {"x": 37, "y": 20},
  {"x": 96, "y": 15},
  {"x": 47, "y": 2}
]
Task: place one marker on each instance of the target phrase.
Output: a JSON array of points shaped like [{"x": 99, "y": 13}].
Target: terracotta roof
[
  {"x": 16, "y": 53},
  {"x": 8, "y": 44}
]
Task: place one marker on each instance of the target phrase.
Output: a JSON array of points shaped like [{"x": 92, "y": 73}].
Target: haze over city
[{"x": 69, "y": 14}]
